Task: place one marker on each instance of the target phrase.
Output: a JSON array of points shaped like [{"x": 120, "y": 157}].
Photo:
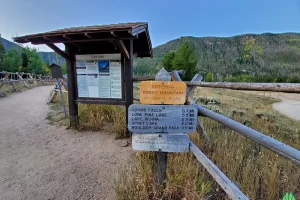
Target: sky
[{"x": 167, "y": 19}]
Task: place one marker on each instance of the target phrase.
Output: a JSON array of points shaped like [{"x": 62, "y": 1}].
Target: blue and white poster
[{"x": 99, "y": 76}]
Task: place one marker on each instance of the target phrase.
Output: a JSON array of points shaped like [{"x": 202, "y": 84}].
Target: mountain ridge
[
  {"x": 267, "y": 54},
  {"x": 48, "y": 57}
]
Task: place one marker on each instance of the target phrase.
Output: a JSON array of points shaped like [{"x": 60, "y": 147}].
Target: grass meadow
[{"x": 258, "y": 172}]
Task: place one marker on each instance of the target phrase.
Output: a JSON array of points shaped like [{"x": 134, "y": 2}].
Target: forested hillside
[
  {"x": 8, "y": 45},
  {"x": 48, "y": 57},
  {"x": 273, "y": 57},
  {"x": 269, "y": 55}
]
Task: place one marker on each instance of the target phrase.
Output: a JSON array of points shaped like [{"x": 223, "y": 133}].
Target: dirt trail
[
  {"x": 41, "y": 161},
  {"x": 289, "y": 105}
]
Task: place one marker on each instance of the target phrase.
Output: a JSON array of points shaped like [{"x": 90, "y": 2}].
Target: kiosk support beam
[
  {"x": 128, "y": 79},
  {"x": 72, "y": 87}
]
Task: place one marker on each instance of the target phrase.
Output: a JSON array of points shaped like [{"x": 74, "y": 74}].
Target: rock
[
  {"x": 123, "y": 143},
  {"x": 259, "y": 115},
  {"x": 2, "y": 94}
]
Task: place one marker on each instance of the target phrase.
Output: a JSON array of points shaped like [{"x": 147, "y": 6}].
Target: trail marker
[
  {"x": 163, "y": 142},
  {"x": 162, "y": 118},
  {"x": 162, "y": 92}
]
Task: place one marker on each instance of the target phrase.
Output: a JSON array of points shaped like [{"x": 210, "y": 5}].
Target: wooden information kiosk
[{"x": 99, "y": 61}]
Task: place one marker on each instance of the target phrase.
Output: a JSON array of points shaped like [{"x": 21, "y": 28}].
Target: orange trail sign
[{"x": 162, "y": 92}]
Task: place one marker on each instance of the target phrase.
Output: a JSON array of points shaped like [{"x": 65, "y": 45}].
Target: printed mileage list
[
  {"x": 162, "y": 118},
  {"x": 162, "y": 92}
]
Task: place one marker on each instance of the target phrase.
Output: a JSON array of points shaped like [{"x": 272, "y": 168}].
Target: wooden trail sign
[
  {"x": 161, "y": 142},
  {"x": 162, "y": 92},
  {"x": 162, "y": 118}
]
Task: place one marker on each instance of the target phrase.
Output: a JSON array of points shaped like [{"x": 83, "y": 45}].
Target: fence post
[{"x": 20, "y": 77}]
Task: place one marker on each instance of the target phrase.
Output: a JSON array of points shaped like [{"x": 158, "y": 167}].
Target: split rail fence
[
  {"x": 27, "y": 79},
  {"x": 227, "y": 185}
]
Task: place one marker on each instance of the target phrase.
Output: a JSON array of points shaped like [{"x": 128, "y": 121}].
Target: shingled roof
[{"x": 85, "y": 34}]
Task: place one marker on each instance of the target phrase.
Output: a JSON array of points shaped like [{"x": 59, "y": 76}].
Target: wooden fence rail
[
  {"x": 227, "y": 185},
  {"x": 274, "y": 87},
  {"x": 264, "y": 140},
  {"x": 11, "y": 78}
]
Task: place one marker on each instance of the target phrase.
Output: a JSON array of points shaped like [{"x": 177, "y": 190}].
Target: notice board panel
[{"x": 99, "y": 76}]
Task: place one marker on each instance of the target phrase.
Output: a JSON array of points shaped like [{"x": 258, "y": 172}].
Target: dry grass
[
  {"x": 91, "y": 117},
  {"x": 260, "y": 173},
  {"x": 95, "y": 117},
  {"x": 8, "y": 88}
]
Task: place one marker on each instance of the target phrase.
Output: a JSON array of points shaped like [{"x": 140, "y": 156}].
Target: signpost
[
  {"x": 153, "y": 123},
  {"x": 163, "y": 142},
  {"x": 162, "y": 118},
  {"x": 162, "y": 92}
]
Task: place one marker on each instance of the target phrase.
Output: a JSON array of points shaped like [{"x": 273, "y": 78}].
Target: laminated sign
[
  {"x": 163, "y": 142},
  {"x": 162, "y": 118},
  {"x": 162, "y": 92}
]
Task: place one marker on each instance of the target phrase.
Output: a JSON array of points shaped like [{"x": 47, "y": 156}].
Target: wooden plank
[
  {"x": 163, "y": 75},
  {"x": 88, "y": 35},
  {"x": 59, "y": 51},
  {"x": 6, "y": 77},
  {"x": 162, "y": 92},
  {"x": 162, "y": 118},
  {"x": 228, "y": 186},
  {"x": 15, "y": 88},
  {"x": 31, "y": 78},
  {"x": 20, "y": 77},
  {"x": 54, "y": 93},
  {"x": 122, "y": 48},
  {"x": 64, "y": 83},
  {"x": 85, "y": 40},
  {"x": 94, "y": 101},
  {"x": 161, "y": 142},
  {"x": 128, "y": 80},
  {"x": 175, "y": 76},
  {"x": 113, "y": 34},
  {"x": 196, "y": 79}
]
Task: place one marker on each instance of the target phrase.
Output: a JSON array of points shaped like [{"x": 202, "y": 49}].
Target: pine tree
[
  {"x": 167, "y": 61},
  {"x": 183, "y": 59}
]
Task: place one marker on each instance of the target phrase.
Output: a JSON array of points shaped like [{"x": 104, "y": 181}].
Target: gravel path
[
  {"x": 289, "y": 105},
  {"x": 41, "y": 161}
]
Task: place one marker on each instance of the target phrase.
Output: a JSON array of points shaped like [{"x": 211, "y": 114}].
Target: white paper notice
[
  {"x": 93, "y": 85},
  {"x": 92, "y": 67},
  {"x": 115, "y": 80},
  {"x": 81, "y": 67},
  {"x": 104, "y": 86},
  {"x": 82, "y": 85}
]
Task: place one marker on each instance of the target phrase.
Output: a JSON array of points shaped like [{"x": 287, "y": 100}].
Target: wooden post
[
  {"x": 6, "y": 77},
  {"x": 20, "y": 77},
  {"x": 72, "y": 87},
  {"x": 54, "y": 93},
  {"x": 31, "y": 78},
  {"x": 161, "y": 157},
  {"x": 129, "y": 80}
]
